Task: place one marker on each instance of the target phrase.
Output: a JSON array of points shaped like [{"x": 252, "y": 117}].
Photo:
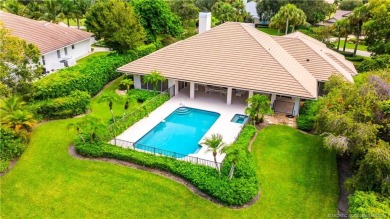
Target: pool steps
[{"x": 183, "y": 111}]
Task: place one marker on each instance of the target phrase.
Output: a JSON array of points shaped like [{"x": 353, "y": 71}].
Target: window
[
  {"x": 321, "y": 88},
  {"x": 66, "y": 51},
  {"x": 162, "y": 86},
  {"x": 72, "y": 46},
  {"x": 59, "y": 54},
  {"x": 43, "y": 60}
]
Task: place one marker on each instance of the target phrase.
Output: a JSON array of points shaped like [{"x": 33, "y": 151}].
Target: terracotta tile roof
[
  {"x": 45, "y": 35},
  {"x": 239, "y": 56}
]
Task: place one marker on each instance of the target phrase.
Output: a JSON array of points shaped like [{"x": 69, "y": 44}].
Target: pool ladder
[{"x": 183, "y": 111}]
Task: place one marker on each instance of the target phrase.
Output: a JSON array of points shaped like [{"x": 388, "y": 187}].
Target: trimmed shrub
[
  {"x": 142, "y": 95},
  {"x": 355, "y": 59},
  {"x": 238, "y": 191},
  {"x": 307, "y": 115},
  {"x": 63, "y": 107},
  {"x": 90, "y": 77},
  {"x": 369, "y": 204}
]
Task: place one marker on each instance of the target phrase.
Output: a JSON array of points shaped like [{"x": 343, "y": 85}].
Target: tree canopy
[
  {"x": 289, "y": 15},
  {"x": 116, "y": 23},
  {"x": 18, "y": 63},
  {"x": 186, "y": 10},
  {"x": 230, "y": 10},
  {"x": 349, "y": 5},
  {"x": 157, "y": 18},
  {"x": 377, "y": 28}
]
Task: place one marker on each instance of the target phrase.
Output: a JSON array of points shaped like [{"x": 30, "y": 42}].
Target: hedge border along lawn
[
  {"x": 236, "y": 192},
  {"x": 91, "y": 77}
]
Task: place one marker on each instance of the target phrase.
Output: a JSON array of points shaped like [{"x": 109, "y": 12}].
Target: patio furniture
[{"x": 239, "y": 93}]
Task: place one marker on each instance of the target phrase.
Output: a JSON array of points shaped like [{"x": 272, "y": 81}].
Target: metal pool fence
[{"x": 161, "y": 152}]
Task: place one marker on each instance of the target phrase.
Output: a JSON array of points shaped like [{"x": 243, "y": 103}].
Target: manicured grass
[
  {"x": 298, "y": 180},
  {"x": 271, "y": 31},
  {"x": 73, "y": 22},
  {"x": 350, "y": 46}
]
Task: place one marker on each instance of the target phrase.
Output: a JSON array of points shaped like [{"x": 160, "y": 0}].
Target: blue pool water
[
  {"x": 180, "y": 132},
  {"x": 238, "y": 118}
]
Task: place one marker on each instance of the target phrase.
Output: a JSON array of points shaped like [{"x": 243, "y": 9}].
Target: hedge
[
  {"x": 63, "y": 107},
  {"x": 369, "y": 205},
  {"x": 238, "y": 191},
  {"x": 90, "y": 77},
  {"x": 375, "y": 63}
]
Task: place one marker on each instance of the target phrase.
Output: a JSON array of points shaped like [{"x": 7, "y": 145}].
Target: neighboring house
[
  {"x": 238, "y": 57},
  {"x": 340, "y": 14},
  {"x": 250, "y": 7},
  {"x": 59, "y": 46}
]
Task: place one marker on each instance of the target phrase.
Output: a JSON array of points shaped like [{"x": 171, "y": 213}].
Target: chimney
[{"x": 204, "y": 22}]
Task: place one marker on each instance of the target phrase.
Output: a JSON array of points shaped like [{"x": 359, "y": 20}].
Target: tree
[
  {"x": 110, "y": 98},
  {"x": 14, "y": 7},
  {"x": 77, "y": 127},
  {"x": 377, "y": 27},
  {"x": 129, "y": 100},
  {"x": 237, "y": 155},
  {"x": 205, "y": 5},
  {"x": 349, "y": 5},
  {"x": 50, "y": 11},
  {"x": 344, "y": 29},
  {"x": 292, "y": 15},
  {"x": 230, "y": 10},
  {"x": 67, "y": 9},
  {"x": 19, "y": 65},
  {"x": 154, "y": 78},
  {"x": 157, "y": 18},
  {"x": 186, "y": 10},
  {"x": 81, "y": 8},
  {"x": 278, "y": 22},
  {"x": 374, "y": 171},
  {"x": 259, "y": 105},
  {"x": 93, "y": 127},
  {"x": 356, "y": 19},
  {"x": 315, "y": 10},
  {"x": 266, "y": 9},
  {"x": 116, "y": 23},
  {"x": 214, "y": 144},
  {"x": 127, "y": 83}
]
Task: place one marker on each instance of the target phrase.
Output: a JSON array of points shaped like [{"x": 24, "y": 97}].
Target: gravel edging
[{"x": 192, "y": 188}]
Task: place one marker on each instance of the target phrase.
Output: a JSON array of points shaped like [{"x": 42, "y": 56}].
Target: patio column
[
  {"x": 297, "y": 101},
  {"x": 192, "y": 90},
  {"x": 273, "y": 98},
  {"x": 176, "y": 87},
  {"x": 250, "y": 93},
  {"x": 229, "y": 96},
  {"x": 137, "y": 81}
]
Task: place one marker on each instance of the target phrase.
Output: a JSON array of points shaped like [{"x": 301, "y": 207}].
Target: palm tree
[
  {"x": 81, "y": 8},
  {"x": 338, "y": 26},
  {"x": 214, "y": 143},
  {"x": 258, "y": 106},
  {"x": 19, "y": 120},
  {"x": 127, "y": 83},
  {"x": 94, "y": 128},
  {"x": 358, "y": 16},
  {"x": 292, "y": 15},
  {"x": 67, "y": 8},
  {"x": 277, "y": 22},
  {"x": 345, "y": 30},
  {"x": 110, "y": 98},
  {"x": 11, "y": 104},
  {"x": 77, "y": 127},
  {"x": 14, "y": 7},
  {"x": 129, "y": 100},
  {"x": 237, "y": 155},
  {"x": 154, "y": 78},
  {"x": 50, "y": 11}
]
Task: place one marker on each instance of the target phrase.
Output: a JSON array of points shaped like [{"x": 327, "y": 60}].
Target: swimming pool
[{"x": 180, "y": 132}]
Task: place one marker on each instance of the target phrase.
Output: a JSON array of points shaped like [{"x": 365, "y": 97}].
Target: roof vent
[{"x": 307, "y": 59}]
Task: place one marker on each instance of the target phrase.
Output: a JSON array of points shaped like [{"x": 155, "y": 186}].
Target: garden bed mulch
[{"x": 72, "y": 151}]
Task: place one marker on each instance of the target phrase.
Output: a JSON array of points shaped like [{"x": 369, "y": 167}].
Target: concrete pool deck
[{"x": 210, "y": 102}]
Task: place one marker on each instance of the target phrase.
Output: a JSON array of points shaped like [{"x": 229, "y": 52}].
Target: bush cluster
[
  {"x": 369, "y": 204},
  {"x": 142, "y": 95},
  {"x": 12, "y": 146},
  {"x": 307, "y": 114},
  {"x": 238, "y": 191},
  {"x": 375, "y": 63},
  {"x": 63, "y": 107}
]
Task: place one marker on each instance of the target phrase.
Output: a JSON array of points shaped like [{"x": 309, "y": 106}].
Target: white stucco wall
[{"x": 52, "y": 62}]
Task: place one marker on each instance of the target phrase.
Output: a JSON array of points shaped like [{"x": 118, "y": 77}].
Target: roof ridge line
[{"x": 272, "y": 55}]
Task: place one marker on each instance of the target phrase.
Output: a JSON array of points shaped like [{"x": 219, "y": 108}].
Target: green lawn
[
  {"x": 73, "y": 22},
  {"x": 271, "y": 31},
  {"x": 298, "y": 179},
  {"x": 350, "y": 46}
]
